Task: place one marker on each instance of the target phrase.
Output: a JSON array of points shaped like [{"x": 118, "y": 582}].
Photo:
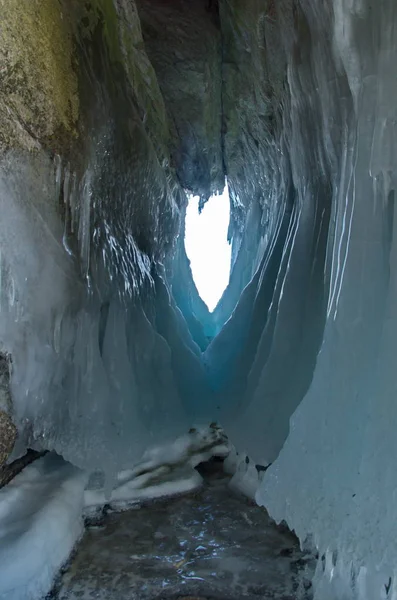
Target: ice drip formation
[{"x": 111, "y": 112}]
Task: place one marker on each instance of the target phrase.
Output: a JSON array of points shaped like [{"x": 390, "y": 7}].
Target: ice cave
[{"x": 154, "y": 444}]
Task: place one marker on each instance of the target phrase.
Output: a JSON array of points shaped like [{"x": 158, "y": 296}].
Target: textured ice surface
[
  {"x": 334, "y": 480},
  {"x": 163, "y": 471},
  {"x": 92, "y": 377},
  {"x": 102, "y": 320},
  {"x": 40, "y": 523},
  {"x": 41, "y": 510}
]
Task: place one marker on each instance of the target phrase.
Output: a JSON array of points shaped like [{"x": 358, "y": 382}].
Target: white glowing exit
[{"x": 207, "y": 247}]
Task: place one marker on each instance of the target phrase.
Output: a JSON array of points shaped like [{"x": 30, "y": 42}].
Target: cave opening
[{"x": 207, "y": 246}]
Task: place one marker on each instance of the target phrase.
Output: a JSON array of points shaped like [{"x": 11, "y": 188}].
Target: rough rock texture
[
  {"x": 8, "y": 431},
  {"x": 183, "y": 41},
  {"x": 11, "y": 470},
  {"x": 8, "y": 435},
  {"x": 38, "y": 85},
  {"x": 254, "y": 73},
  {"x": 5, "y": 374}
]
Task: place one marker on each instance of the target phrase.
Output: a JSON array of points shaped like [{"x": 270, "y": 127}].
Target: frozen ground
[
  {"x": 212, "y": 544},
  {"x": 40, "y": 522},
  {"x": 163, "y": 471}
]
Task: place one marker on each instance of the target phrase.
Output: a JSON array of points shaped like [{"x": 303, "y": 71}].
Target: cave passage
[{"x": 131, "y": 352}]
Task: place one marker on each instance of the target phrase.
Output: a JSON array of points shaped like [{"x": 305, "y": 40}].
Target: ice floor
[{"x": 212, "y": 544}]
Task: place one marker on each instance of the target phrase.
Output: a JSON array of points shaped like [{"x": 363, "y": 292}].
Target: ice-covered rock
[
  {"x": 127, "y": 105},
  {"x": 163, "y": 471},
  {"x": 40, "y": 523}
]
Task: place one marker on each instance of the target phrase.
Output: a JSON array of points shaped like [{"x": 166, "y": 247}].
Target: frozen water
[
  {"x": 41, "y": 510},
  {"x": 40, "y": 523},
  {"x": 163, "y": 471},
  {"x": 305, "y": 364},
  {"x": 83, "y": 354},
  {"x": 334, "y": 481},
  {"x": 113, "y": 351}
]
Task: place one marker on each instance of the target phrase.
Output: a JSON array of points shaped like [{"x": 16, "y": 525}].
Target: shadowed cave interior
[{"x": 150, "y": 448}]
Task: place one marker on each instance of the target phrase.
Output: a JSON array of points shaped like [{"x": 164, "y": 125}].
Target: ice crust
[
  {"x": 109, "y": 341},
  {"x": 82, "y": 351},
  {"x": 162, "y": 471},
  {"x": 334, "y": 481},
  {"x": 42, "y": 509},
  {"x": 313, "y": 333},
  {"x": 40, "y": 523}
]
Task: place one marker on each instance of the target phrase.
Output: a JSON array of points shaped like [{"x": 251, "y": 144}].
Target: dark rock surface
[
  {"x": 9, "y": 471},
  {"x": 210, "y": 546},
  {"x": 8, "y": 431},
  {"x": 183, "y": 42},
  {"x": 8, "y": 434}
]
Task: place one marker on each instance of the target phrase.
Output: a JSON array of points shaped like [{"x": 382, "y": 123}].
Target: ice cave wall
[
  {"x": 109, "y": 111},
  {"x": 334, "y": 477},
  {"x": 91, "y": 209},
  {"x": 323, "y": 351}
]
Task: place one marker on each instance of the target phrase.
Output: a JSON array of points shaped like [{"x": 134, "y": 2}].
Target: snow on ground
[
  {"x": 246, "y": 475},
  {"x": 40, "y": 523},
  {"x": 41, "y": 509},
  {"x": 170, "y": 470},
  {"x": 163, "y": 471}
]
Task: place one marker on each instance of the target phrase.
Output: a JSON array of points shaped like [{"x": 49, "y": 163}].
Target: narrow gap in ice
[{"x": 207, "y": 247}]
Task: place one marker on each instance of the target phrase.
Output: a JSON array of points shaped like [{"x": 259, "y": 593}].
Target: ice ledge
[
  {"x": 163, "y": 471},
  {"x": 40, "y": 523}
]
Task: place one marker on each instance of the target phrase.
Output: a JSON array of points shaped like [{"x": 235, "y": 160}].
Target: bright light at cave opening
[{"x": 207, "y": 247}]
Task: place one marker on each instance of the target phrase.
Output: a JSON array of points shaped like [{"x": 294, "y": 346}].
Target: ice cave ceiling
[{"x": 110, "y": 111}]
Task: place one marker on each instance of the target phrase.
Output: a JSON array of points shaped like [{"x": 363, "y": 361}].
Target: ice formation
[
  {"x": 113, "y": 351},
  {"x": 163, "y": 471},
  {"x": 40, "y": 523}
]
